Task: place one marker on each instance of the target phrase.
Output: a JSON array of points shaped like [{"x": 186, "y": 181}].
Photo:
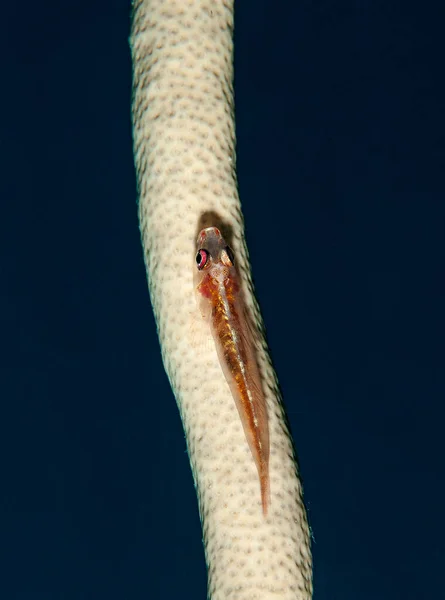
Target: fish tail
[{"x": 265, "y": 487}]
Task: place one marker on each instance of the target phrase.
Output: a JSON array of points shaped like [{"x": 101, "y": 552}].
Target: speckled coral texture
[{"x": 184, "y": 143}]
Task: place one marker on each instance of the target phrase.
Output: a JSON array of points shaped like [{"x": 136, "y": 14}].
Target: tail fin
[{"x": 265, "y": 487}]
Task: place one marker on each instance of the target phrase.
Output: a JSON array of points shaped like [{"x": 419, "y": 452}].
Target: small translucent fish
[{"x": 221, "y": 302}]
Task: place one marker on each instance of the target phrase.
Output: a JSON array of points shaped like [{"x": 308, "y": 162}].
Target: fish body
[{"x": 221, "y": 302}]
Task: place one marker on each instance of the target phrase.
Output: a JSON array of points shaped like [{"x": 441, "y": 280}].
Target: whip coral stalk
[{"x": 184, "y": 145}]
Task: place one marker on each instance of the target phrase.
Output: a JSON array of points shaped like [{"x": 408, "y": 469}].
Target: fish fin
[{"x": 265, "y": 487}]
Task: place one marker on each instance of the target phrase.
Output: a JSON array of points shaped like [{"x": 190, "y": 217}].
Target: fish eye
[
  {"x": 228, "y": 257},
  {"x": 202, "y": 258}
]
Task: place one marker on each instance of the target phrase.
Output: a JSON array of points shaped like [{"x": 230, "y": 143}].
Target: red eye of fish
[{"x": 202, "y": 258}]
